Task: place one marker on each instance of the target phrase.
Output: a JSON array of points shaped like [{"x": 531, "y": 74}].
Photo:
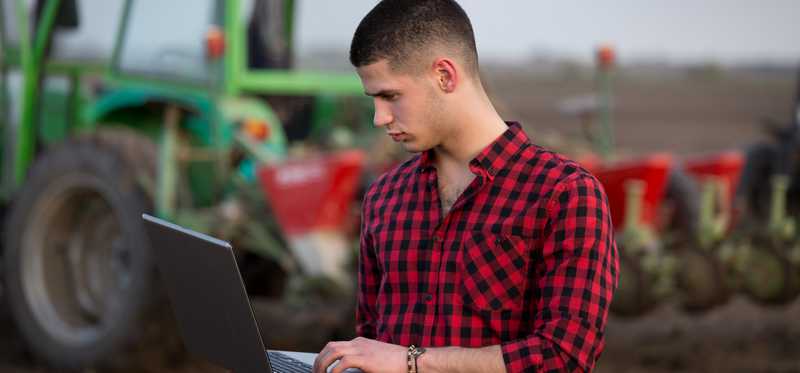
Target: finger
[
  {"x": 349, "y": 361},
  {"x": 331, "y": 358},
  {"x": 333, "y": 352},
  {"x": 318, "y": 360}
]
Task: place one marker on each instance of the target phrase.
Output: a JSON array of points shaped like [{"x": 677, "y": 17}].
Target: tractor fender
[
  {"x": 227, "y": 111},
  {"x": 127, "y": 98}
]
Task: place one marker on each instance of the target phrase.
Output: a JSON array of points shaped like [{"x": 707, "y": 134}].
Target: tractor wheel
[
  {"x": 701, "y": 281},
  {"x": 80, "y": 279}
]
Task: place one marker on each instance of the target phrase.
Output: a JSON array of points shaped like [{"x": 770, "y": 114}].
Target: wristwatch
[{"x": 413, "y": 353}]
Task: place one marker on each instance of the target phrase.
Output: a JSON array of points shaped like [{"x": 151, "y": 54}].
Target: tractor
[{"x": 186, "y": 109}]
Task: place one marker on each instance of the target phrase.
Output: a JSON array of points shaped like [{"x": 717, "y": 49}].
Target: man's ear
[{"x": 446, "y": 73}]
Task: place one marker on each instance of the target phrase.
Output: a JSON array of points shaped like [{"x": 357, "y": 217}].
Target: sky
[{"x": 679, "y": 31}]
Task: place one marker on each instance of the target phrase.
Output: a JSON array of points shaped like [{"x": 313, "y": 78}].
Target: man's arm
[
  {"x": 369, "y": 277},
  {"x": 462, "y": 360},
  {"x": 574, "y": 284},
  {"x": 373, "y": 356}
]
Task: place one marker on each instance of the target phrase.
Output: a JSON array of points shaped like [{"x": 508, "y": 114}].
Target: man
[{"x": 484, "y": 252}]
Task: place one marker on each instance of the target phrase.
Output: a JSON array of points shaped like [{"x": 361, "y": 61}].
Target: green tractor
[{"x": 112, "y": 108}]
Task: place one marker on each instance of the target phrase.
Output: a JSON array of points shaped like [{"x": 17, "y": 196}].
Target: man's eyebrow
[{"x": 382, "y": 93}]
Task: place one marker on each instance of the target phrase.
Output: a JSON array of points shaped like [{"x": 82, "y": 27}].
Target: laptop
[{"x": 210, "y": 302}]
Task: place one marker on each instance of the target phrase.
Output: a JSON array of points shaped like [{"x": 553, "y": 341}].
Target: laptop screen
[{"x": 208, "y": 296}]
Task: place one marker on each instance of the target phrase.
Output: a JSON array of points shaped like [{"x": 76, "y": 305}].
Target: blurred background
[{"x": 243, "y": 119}]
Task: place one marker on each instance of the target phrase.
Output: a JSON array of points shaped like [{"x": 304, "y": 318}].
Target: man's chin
[{"x": 411, "y": 147}]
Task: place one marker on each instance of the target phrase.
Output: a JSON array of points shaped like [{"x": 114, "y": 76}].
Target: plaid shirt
[{"x": 525, "y": 258}]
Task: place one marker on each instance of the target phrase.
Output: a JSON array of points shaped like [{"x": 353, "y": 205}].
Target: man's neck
[
  {"x": 472, "y": 133},
  {"x": 467, "y": 141}
]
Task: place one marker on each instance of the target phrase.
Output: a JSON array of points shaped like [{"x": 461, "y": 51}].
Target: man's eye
[{"x": 390, "y": 97}]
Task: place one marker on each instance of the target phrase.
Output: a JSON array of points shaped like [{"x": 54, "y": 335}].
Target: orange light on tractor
[
  {"x": 215, "y": 43},
  {"x": 256, "y": 129},
  {"x": 606, "y": 56}
]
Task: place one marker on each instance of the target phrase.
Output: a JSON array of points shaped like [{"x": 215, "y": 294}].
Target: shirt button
[
  {"x": 437, "y": 238},
  {"x": 428, "y": 298}
]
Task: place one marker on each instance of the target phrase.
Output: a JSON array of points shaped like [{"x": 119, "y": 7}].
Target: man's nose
[{"x": 382, "y": 116}]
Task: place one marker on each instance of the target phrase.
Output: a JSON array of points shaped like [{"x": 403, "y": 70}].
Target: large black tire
[{"x": 80, "y": 279}]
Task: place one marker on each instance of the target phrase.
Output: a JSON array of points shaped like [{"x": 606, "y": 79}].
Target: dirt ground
[
  {"x": 655, "y": 110},
  {"x": 684, "y": 113},
  {"x": 738, "y": 337}
]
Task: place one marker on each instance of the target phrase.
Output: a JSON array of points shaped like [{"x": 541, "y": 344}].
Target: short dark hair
[{"x": 400, "y": 30}]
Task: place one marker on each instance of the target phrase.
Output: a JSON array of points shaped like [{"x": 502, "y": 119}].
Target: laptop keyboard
[{"x": 281, "y": 363}]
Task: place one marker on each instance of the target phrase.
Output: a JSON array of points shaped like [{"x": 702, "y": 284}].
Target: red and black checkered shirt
[{"x": 525, "y": 258}]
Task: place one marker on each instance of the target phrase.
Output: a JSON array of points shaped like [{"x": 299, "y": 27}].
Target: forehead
[{"x": 380, "y": 76}]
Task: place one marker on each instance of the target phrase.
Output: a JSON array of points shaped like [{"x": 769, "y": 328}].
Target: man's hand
[{"x": 366, "y": 354}]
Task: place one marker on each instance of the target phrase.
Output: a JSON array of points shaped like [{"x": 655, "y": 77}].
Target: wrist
[
  {"x": 429, "y": 362},
  {"x": 412, "y": 355}
]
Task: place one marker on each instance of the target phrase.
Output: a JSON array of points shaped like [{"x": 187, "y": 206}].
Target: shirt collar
[{"x": 493, "y": 157}]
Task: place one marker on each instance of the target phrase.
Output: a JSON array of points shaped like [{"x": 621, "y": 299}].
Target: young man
[{"x": 484, "y": 252}]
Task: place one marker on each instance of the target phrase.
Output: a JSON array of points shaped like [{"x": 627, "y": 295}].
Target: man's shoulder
[{"x": 551, "y": 170}]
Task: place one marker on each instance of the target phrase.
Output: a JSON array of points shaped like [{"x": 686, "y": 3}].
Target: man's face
[{"x": 406, "y": 106}]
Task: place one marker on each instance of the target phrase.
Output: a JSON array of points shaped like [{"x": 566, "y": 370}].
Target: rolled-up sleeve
[{"x": 573, "y": 283}]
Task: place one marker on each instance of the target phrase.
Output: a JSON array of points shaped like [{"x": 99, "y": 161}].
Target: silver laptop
[{"x": 210, "y": 302}]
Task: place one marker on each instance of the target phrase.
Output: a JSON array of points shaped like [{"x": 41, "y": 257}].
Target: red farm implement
[{"x": 700, "y": 229}]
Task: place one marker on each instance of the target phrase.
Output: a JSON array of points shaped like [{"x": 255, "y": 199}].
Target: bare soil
[
  {"x": 738, "y": 337},
  {"x": 669, "y": 111}
]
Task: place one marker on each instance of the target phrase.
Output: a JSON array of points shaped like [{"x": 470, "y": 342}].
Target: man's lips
[{"x": 398, "y": 136}]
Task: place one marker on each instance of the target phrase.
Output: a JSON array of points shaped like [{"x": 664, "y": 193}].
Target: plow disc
[
  {"x": 768, "y": 274},
  {"x": 641, "y": 283},
  {"x": 701, "y": 281}
]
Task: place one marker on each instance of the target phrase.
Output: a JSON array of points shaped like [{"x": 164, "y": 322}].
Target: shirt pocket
[{"x": 494, "y": 271}]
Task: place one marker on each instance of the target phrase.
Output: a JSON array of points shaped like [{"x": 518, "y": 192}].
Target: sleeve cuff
[{"x": 523, "y": 355}]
